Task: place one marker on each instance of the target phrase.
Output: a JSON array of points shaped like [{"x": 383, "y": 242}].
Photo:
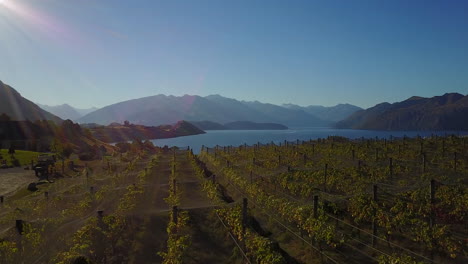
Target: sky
[{"x": 99, "y": 52}]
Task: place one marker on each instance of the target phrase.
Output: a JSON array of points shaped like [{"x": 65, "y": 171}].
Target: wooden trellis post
[
  {"x": 315, "y": 215},
  {"x": 455, "y": 161},
  {"x": 374, "y": 220},
  {"x": 391, "y": 167},
  {"x": 175, "y": 218},
  {"x": 244, "y": 215},
  {"x": 325, "y": 178},
  {"x": 19, "y": 226},
  {"x": 432, "y": 195},
  {"x": 424, "y": 162}
]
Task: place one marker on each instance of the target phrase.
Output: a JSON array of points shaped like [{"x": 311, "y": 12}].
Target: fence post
[
  {"x": 455, "y": 161},
  {"x": 325, "y": 178},
  {"x": 424, "y": 162},
  {"x": 432, "y": 195},
  {"x": 391, "y": 167},
  {"x": 374, "y": 220},
  {"x": 244, "y": 214},
  {"x": 443, "y": 146},
  {"x": 315, "y": 215},
  {"x": 432, "y": 218},
  {"x": 19, "y": 226},
  {"x": 1, "y": 200},
  {"x": 174, "y": 215}
]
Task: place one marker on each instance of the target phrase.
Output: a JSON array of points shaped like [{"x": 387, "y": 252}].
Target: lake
[{"x": 239, "y": 137}]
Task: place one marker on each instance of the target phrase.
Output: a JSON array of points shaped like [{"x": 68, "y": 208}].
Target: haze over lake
[{"x": 239, "y": 137}]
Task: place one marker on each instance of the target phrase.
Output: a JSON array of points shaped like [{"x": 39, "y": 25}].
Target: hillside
[
  {"x": 66, "y": 111},
  {"x": 162, "y": 109},
  {"x": 19, "y": 108},
  {"x": 208, "y": 125},
  {"x": 238, "y": 125},
  {"x": 120, "y": 133},
  {"x": 246, "y": 125},
  {"x": 446, "y": 112},
  {"x": 332, "y": 113}
]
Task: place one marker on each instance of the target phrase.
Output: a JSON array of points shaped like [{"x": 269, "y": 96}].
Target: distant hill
[
  {"x": 19, "y": 108},
  {"x": 238, "y": 125},
  {"x": 121, "y": 133},
  {"x": 162, "y": 109},
  {"x": 246, "y": 125},
  {"x": 67, "y": 111},
  {"x": 208, "y": 125},
  {"x": 446, "y": 112},
  {"x": 333, "y": 113}
]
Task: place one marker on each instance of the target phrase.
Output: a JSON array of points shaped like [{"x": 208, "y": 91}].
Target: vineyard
[{"x": 333, "y": 200}]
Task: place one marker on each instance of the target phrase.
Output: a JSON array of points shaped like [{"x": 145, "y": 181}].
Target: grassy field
[{"x": 24, "y": 157}]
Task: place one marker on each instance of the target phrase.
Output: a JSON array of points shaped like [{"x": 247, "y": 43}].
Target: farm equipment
[{"x": 44, "y": 166}]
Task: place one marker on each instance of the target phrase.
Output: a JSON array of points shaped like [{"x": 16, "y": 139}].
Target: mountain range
[
  {"x": 238, "y": 125},
  {"x": 66, "y": 111},
  {"x": 19, "y": 108},
  {"x": 446, "y": 112},
  {"x": 162, "y": 109},
  {"x": 332, "y": 113}
]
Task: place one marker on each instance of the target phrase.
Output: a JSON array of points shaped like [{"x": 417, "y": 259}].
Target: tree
[
  {"x": 4, "y": 118},
  {"x": 11, "y": 150}
]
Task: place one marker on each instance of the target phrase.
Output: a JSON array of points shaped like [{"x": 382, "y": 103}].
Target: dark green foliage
[
  {"x": 32, "y": 187},
  {"x": 11, "y": 150}
]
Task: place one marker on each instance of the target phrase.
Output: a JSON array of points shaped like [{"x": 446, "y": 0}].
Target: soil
[{"x": 13, "y": 179}]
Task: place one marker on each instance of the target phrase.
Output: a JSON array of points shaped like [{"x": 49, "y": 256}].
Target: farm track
[{"x": 208, "y": 244}]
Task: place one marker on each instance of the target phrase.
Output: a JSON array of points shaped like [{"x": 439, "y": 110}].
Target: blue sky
[{"x": 98, "y": 52}]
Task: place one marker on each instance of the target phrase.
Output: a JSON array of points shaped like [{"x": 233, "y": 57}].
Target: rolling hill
[
  {"x": 162, "y": 109},
  {"x": 238, "y": 125},
  {"x": 19, "y": 108},
  {"x": 66, "y": 111},
  {"x": 446, "y": 112},
  {"x": 332, "y": 113}
]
